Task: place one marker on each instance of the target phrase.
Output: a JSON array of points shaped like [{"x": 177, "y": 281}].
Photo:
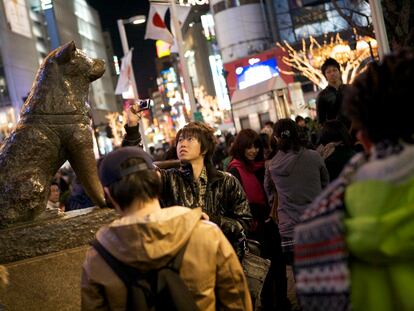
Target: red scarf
[{"x": 251, "y": 185}]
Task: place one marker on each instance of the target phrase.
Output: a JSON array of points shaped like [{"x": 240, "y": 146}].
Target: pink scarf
[{"x": 251, "y": 185}]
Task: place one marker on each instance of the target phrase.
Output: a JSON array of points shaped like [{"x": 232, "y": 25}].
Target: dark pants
[{"x": 274, "y": 293}]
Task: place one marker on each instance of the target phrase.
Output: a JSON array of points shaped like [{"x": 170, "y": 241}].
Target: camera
[{"x": 143, "y": 104}]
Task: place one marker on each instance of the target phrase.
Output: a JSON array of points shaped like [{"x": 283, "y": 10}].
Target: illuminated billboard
[
  {"x": 163, "y": 48},
  {"x": 257, "y": 71}
]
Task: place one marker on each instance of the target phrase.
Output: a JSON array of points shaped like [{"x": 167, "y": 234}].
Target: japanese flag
[
  {"x": 125, "y": 77},
  {"x": 156, "y": 28}
]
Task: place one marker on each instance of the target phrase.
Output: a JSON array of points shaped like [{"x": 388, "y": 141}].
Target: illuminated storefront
[
  {"x": 259, "y": 91},
  {"x": 256, "y": 68},
  {"x": 257, "y": 71},
  {"x": 174, "y": 114}
]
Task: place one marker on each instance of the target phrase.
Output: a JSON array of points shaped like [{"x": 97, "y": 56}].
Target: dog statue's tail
[{"x": 4, "y": 276}]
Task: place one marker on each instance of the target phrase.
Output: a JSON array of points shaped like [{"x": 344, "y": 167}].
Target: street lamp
[{"x": 138, "y": 19}]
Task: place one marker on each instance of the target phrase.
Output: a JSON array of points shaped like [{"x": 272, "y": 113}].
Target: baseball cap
[{"x": 110, "y": 170}]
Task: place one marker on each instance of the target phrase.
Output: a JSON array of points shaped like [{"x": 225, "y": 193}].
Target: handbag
[{"x": 255, "y": 269}]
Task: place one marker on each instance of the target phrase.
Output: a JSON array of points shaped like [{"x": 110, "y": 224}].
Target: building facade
[
  {"x": 248, "y": 32},
  {"x": 292, "y": 20}
]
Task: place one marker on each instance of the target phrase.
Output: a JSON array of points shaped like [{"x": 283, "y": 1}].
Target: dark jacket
[
  {"x": 337, "y": 160},
  {"x": 225, "y": 201},
  {"x": 132, "y": 136},
  {"x": 329, "y": 105}
]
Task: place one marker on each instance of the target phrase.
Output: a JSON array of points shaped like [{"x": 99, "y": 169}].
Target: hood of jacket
[
  {"x": 380, "y": 222},
  {"x": 151, "y": 241},
  {"x": 283, "y": 163}
]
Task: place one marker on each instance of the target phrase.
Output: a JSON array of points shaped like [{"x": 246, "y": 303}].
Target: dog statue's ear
[{"x": 65, "y": 53}]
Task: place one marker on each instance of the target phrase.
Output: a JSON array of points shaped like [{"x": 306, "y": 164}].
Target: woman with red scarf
[{"x": 248, "y": 167}]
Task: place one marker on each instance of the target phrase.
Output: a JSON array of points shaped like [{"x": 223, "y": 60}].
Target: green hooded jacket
[{"x": 380, "y": 239}]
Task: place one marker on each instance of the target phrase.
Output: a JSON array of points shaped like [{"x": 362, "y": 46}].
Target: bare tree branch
[
  {"x": 399, "y": 21},
  {"x": 362, "y": 30},
  {"x": 308, "y": 60}
]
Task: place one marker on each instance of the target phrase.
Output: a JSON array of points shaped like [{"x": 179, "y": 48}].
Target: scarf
[
  {"x": 321, "y": 256},
  {"x": 251, "y": 185}
]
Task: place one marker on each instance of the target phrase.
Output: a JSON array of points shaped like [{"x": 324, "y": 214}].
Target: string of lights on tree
[{"x": 308, "y": 60}]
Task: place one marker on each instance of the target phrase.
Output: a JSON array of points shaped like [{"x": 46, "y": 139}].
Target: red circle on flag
[{"x": 157, "y": 21}]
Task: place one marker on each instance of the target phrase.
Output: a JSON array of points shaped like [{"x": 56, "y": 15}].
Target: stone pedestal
[{"x": 44, "y": 260}]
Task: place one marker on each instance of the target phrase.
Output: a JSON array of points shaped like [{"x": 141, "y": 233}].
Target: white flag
[
  {"x": 125, "y": 77},
  {"x": 156, "y": 28},
  {"x": 182, "y": 12}
]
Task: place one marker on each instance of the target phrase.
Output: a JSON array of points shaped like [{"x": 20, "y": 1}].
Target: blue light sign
[{"x": 256, "y": 72}]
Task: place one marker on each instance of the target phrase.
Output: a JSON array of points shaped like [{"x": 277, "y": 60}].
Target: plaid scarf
[{"x": 321, "y": 256}]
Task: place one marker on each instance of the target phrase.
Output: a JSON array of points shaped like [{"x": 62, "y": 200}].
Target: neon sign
[{"x": 256, "y": 72}]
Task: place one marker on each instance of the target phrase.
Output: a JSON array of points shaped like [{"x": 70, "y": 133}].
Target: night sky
[{"x": 144, "y": 50}]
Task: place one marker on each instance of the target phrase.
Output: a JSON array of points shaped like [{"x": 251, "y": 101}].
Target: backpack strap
[
  {"x": 136, "y": 299},
  {"x": 124, "y": 272},
  {"x": 166, "y": 278},
  {"x": 175, "y": 264}
]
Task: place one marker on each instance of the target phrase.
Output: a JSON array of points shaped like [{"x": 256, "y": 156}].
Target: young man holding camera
[{"x": 198, "y": 184}]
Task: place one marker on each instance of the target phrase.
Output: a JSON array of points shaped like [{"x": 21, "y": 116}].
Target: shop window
[
  {"x": 281, "y": 6},
  {"x": 245, "y": 123},
  {"x": 263, "y": 118},
  {"x": 284, "y": 20},
  {"x": 288, "y": 35}
]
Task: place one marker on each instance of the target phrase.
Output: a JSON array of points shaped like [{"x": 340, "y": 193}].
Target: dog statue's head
[
  {"x": 62, "y": 82},
  {"x": 74, "y": 63}
]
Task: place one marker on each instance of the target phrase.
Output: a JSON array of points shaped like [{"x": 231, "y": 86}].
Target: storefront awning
[{"x": 275, "y": 83}]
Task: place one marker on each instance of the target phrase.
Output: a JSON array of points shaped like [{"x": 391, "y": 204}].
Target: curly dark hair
[
  {"x": 245, "y": 140},
  {"x": 204, "y": 134},
  {"x": 378, "y": 101},
  {"x": 287, "y": 134}
]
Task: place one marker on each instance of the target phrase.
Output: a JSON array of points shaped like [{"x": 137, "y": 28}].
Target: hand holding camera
[
  {"x": 135, "y": 110},
  {"x": 143, "y": 104}
]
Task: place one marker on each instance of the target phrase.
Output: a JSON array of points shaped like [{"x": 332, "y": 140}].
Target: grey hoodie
[{"x": 299, "y": 177}]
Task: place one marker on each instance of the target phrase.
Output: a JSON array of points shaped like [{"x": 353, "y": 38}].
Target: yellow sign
[{"x": 163, "y": 48}]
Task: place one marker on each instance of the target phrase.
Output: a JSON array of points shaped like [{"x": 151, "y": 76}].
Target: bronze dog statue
[{"x": 54, "y": 127}]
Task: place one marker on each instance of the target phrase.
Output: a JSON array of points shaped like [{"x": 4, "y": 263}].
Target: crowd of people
[{"x": 330, "y": 200}]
